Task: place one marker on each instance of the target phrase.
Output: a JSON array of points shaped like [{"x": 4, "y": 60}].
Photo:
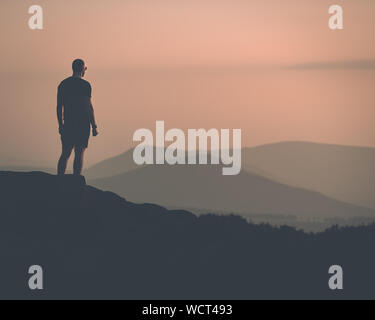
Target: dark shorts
[{"x": 72, "y": 138}]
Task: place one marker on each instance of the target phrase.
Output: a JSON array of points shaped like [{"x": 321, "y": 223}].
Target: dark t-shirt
[{"x": 73, "y": 94}]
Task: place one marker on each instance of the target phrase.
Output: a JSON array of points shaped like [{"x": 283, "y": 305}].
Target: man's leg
[
  {"x": 78, "y": 160},
  {"x": 63, "y": 161}
]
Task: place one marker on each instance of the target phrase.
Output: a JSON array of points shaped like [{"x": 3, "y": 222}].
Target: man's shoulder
[
  {"x": 85, "y": 82},
  {"x": 74, "y": 80},
  {"x": 64, "y": 82}
]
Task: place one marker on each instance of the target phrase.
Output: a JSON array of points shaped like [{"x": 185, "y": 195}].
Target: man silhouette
[{"x": 75, "y": 115}]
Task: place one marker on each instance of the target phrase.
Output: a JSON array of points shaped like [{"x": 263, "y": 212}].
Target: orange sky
[
  {"x": 123, "y": 33},
  {"x": 192, "y": 63}
]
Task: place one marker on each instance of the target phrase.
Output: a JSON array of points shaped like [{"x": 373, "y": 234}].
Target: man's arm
[
  {"x": 92, "y": 119},
  {"x": 59, "y": 108}
]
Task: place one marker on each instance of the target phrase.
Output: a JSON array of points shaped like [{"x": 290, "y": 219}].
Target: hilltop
[{"x": 95, "y": 244}]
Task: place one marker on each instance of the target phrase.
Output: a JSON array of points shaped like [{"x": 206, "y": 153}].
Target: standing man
[{"x": 75, "y": 115}]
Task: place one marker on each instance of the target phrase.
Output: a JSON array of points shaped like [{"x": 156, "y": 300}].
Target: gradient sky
[{"x": 270, "y": 67}]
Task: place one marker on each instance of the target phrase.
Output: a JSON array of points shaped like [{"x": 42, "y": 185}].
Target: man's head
[{"x": 79, "y": 67}]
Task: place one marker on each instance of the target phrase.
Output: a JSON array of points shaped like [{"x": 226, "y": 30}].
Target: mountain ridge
[
  {"x": 343, "y": 173},
  {"x": 93, "y": 244},
  {"x": 204, "y": 187}
]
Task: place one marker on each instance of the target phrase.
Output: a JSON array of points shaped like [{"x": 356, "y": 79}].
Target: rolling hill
[
  {"x": 203, "y": 187},
  {"x": 111, "y": 167},
  {"x": 96, "y": 245},
  {"x": 341, "y": 172},
  {"x": 26, "y": 168}
]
